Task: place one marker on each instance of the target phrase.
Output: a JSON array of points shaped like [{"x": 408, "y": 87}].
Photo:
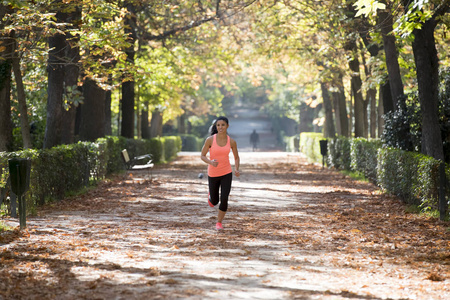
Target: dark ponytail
[{"x": 213, "y": 129}]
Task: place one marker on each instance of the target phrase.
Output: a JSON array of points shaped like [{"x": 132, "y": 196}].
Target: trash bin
[
  {"x": 19, "y": 173},
  {"x": 323, "y": 147}
]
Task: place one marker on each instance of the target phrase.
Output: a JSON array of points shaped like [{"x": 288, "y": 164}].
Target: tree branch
[
  {"x": 152, "y": 37},
  {"x": 442, "y": 9}
]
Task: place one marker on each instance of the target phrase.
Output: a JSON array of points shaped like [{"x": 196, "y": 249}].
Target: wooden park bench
[{"x": 132, "y": 164}]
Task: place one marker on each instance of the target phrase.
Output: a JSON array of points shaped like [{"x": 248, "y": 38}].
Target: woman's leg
[
  {"x": 214, "y": 186},
  {"x": 225, "y": 188},
  {"x": 220, "y": 216}
]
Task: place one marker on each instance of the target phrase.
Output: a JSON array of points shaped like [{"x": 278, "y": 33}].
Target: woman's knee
[{"x": 223, "y": 205}]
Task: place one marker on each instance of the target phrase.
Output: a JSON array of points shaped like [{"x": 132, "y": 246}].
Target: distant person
[
  {"x": 220, "y": 173},
  {"x": 254, "y": 139}
]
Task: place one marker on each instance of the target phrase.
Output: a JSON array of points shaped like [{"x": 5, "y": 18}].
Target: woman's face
[{"x": 221, "y": 126}]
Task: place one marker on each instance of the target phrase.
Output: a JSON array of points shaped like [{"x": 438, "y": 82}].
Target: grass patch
[
  {"x": 4, "y": 227},
  {"x": 3, "y": 210},
  {"x": 81, "y": 191},
  {"x": 413, "y": 209},
  {"x": 430, "y": 213},
  {"x": 355, "y": 175},
  {"x": 427, "y": 213}
]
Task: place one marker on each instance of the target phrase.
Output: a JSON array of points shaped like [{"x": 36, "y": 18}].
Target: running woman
[{"x": 220, "y": 173}]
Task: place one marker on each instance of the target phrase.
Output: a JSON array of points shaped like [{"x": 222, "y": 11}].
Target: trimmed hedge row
[
  {"x": 363, "y": 155},
  {"x": 411, "y": 176},
  {"x": 292, "y": 143},
  {"x": 66, "y": 169},
  {"x": 339, "y": 153},
  {"x": 171, "y": 145},
  {"x": 191, "y": 143},
  {"x": 310, "y": 146}
]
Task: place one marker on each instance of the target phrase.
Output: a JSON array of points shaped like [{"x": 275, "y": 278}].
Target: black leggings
[{"x": 224, "y": 183}]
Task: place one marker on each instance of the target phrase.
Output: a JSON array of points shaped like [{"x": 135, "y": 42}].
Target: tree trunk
[
  {"x": 329, "y": 129},
  {"x": 5, "y": 106},
  {"x": 69, "y": 114},
  {"x": 77, "y": 120},
  {"x": 55, "y": 91},
  {"x": 371, "y": 98},
  {"x": 145, "y": 128},
  {"x": 72, "y": 72},
  {"x": 6, "y": 137},
  {"x": 340, "y": 108},
  {"x": 128, "y": 110},
  {"x": 138, "y": 113},
  {"x": 316, "y": 125},
  {"x": 356, "y": 86},
  {"x": 306, "y": 118},
  {"x": 351, "y": 114},
  {"x": 128, "y": 86},
  {"x": 366, "y": 117},
  {"x": 182, "y": 123},
  {"x": 427, "y": 65},
  {"x": 156, "y": 124},
  {"x": 335, "y": 99},
  {"x": 24, "y": 124},
  {"x": 386, "y": 91},
  {"x": 92, "y": 124},
  {"x": 370, "y": 121},
  {"x": 396, "y": 85},
  {"x": 381, "y": 112},
  {"x": 6, "y": 53},
  {"x": 108, "y": 122}
]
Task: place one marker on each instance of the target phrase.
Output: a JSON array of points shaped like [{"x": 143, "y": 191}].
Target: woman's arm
[
  {"x": 237, "y": 161},
  {"x": 205, "y": 150}
]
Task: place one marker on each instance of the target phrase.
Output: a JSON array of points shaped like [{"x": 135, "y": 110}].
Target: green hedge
[
  {"x": 66, "y": 169},
  {"x": 156, "y": 148},
  {"x": 191, "y": 143},
  {"x": 363, "y": 157},
  {"x": 171, "y": 146},
  {"x": 339, "y": 150},
  {"x": 354, "y": 154},
  {"x": 310, "y": 146},
  {"x": 413, "y": 177},
  {"x": 292, "y": 143}
]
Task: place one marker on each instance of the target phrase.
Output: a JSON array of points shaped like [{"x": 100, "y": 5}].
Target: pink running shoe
[
  {"x": 219, "y": 226},
  {"x": 209, "y": 202}
]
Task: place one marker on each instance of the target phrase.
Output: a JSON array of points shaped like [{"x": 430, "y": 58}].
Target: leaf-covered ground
[{"x": 293, "y": 231}]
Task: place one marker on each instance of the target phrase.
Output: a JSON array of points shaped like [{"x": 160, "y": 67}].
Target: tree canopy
[{"x": 188, "y": 58}]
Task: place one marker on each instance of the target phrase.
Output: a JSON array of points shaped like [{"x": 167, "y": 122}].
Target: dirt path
[
  {"x": 294, "y": 231},
  {"x": 243, "y": 121}
]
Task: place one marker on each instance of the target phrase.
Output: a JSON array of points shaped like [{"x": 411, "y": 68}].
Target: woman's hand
[
  {"x": 214, "y": 163},
  {"x": 237, "y": 173}
]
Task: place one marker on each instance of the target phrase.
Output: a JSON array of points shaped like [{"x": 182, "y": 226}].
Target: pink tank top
[{"x": 221, "y": 154}]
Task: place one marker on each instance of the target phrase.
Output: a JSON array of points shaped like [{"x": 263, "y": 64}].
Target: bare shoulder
[
  {"x": 206, "y": 145},
  {"x": 233, "y": 142},
  {"x": 209, "y": 140}
]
